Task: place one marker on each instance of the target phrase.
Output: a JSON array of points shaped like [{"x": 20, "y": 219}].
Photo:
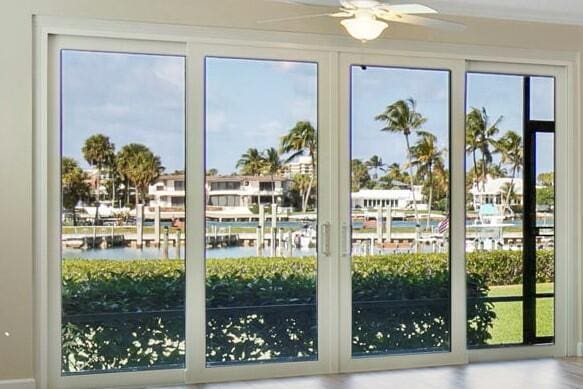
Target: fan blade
[
  {"x": 312, "y": 3},
  {"x": 347, "y": 4},
  {"x": 275, "y": 20},
  {"x": 343, "y": 14},
  {"x": 408, "y": 9},
  {"x": 423, "y": 21}
]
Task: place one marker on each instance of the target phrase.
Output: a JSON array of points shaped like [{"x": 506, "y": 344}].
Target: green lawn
[{"x": 508, "y": 323}]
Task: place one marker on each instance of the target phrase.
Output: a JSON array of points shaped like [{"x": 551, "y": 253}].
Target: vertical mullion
[
  {"x": 195, "y": 232},
  {"x": 458, "y": 305},
  {"x": 529, "y": 222}
]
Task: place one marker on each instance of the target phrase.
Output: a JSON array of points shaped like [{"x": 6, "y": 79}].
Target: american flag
[{"x": 443, "y": 226}]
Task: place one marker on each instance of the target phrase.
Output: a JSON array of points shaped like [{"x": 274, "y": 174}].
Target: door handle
[
  {"x": 346, "y": 240},
  {"x": 325, "y": 239}
]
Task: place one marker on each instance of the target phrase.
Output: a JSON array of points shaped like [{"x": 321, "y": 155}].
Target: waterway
[{"x": 124, "y": 253}]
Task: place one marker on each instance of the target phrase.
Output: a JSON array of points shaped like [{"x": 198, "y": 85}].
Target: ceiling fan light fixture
[{"x": 364, "y": 28}]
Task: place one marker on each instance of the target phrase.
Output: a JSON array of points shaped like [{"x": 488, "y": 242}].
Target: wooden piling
[
  {"x": 178, "y": 243},
  {"x": 157, "y": 226},
  {"x": 165, "y": 244},
  {"x": 389, "y": 222},
  {"x": 140, "y": 225},
  {"x": 273, "y": 229}
]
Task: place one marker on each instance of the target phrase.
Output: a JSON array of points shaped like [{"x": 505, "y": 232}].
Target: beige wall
[{"x": 16, "y": 264}]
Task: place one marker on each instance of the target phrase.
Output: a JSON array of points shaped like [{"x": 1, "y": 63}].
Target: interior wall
[{"x": 16, "y": 140}]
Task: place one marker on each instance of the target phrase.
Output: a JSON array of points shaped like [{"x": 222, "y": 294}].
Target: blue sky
[
  {"x": 130, "y": 98},
  {"x": 374, "y": 88},
  {"x": 252, "y": 103}
]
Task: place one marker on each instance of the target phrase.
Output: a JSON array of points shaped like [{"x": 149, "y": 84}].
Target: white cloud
[
  {"x": 170, "y": 70},
  {"x": 216, "y": 121}
]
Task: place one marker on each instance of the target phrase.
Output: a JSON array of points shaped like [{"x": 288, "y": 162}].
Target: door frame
[
  {"x": 457, "y": 353},
  {"x": 197, "y": 370},
  {"x": 52, "y": 153},
  {"x": 46, "y": 28},
  {"x": 566, "y": 188}
]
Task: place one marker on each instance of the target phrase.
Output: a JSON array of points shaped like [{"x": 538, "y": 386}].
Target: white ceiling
[{"x": 550, "y": 11}]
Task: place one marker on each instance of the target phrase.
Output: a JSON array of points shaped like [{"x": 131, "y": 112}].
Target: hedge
[{"x": 130, "y": 314}]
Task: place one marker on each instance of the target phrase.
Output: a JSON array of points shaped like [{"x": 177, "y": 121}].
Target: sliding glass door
[
  {"x": 220, "y": 213},
  {"x": 263, "y": 265},
  {"x": 396, "y": 208},
  {"x": 510, "y": 207}
]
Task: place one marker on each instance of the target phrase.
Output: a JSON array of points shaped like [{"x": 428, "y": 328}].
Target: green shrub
[
  {"x": 505, "y": 267},
  {"x": 130, "y": 314}
]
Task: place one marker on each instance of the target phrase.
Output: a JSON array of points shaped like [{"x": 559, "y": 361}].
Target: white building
[
  {"x": 221, "y": 191},
  {"x": 299, "y": 165},
  {"x": 243, "y": 191},
  {"x": 495, "y": 190},
  {"x": 397, "y": 198},
  {"x": 168, "y": 191}
]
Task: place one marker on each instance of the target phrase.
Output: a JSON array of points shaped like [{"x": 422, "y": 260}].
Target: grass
[{"x": 507, "y": 327}]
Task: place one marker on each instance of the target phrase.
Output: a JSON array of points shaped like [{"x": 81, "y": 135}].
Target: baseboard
[
  {"x": 580, "y": 349},
  {"x": 27, "y": 383}
]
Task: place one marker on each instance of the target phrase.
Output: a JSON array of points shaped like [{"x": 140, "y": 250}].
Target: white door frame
[
  {"x": 565, "y": 218},
  {"x": 197, "y": 370},
  {"x": 53, "y": 207},
  {"x": 458, "y": 354}
]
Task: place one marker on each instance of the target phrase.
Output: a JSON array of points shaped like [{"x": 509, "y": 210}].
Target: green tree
[
  {"x": 99, "y": 152},
  {"x": 480, "y": 133},
  {"x": 74, "y": 185},
  {"x": 273, "y": 166},
  {"x": 546, "y": 179},
  {"x": 301, "y": 184},
  {"x": 302, "y": 139},
  {"x": 251, "y": 163},
  {"x": 376, "y": 163},
  {"x": 360, "y": 176},
  {"x": 510, "y": 148},
  {"x": 212, "y": 172},
  {"x": 427, "y": 156},
  {"x": 401, "y": 117},
  {"x": 545, "y": 196},
  {"x": 140, "y": 166},
  {"x": 395, "y": 173}
]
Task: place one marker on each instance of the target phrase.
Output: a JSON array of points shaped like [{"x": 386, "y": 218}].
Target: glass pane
[
  {"x": 261, "y": 214},
  {"x": 122, "y": 172},
  {"x": 507, "y": 323},
  {"x": 494, "y": 208},
  {"x": 545, "y": 317},
  {"x": 400, "y": 210},
  {"x": 542, "y": 98}
]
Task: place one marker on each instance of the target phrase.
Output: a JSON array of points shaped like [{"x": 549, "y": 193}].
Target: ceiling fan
[{"x": 365, "y": 20}]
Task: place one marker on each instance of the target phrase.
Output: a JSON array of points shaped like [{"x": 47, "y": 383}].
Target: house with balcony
[
  {"x": 244, "y": 191},
  {"x": 168, "y": 191}
]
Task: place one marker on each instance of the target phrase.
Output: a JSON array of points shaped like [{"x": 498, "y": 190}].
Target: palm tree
[
  {"x": 74, "y": 185},
  {"x": 273, "y": 165},
  {"x": 302, "y": 138},
  {"x": 375, "y": 162},
  {"x": 140, "y": 166},
  {"x": 401, "y": 117},
  {"x": 99, "y": 152},
  {"x": 301, "y": 183},
  {"x": 252, "y": 163},
  {"x": 427, "y": 156},
  {"x": 511, "y": 150},
  {"x": 480, "y": 134},
  {"x": 394, "y": 173},
  {"x": 359, "y": 175}
]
